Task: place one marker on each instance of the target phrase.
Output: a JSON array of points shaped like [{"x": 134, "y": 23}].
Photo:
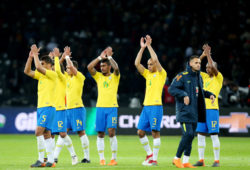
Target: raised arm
[
  {"x": 138, "y": 64},
  {"x": 27, "y": 69},
  {"x": 35, "y": 52},
  {"x": 114, "y": 65},
  {"x": 211, "y": 63},
  {"x": 152, "y": 53},
  {"x": 92, "y": 64},
  {"x": 68, "y": 60},
  {"x": 56, "y": 53}
]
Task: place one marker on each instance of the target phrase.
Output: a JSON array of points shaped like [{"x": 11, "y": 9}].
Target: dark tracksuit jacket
[{"x": 190, "y": 84}]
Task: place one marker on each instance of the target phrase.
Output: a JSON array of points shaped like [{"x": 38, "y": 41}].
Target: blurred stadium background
[{"x": 178, "y": 28}]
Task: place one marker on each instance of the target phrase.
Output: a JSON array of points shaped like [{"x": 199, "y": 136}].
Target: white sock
[
  {"x": 85, "y": 145},
  {"x": 49, "y": 150},
  {"x": 201, "y": 146},
  {"x": 176, "y": 157},
  {"x": 216, "y": 146},
  {"x": 59, "y": 146},
  {"x": 53, "y": 143},
  {"x": 156, "y": 148},
  {"x": 145, "y": 143},
  {"x": 113, "y": 144},
  {"x": 40, "y": 147},
  {"x": 185, "y": 159},
  {"x": 100, "y": 147},
  {"x": 68, "y": 142}
]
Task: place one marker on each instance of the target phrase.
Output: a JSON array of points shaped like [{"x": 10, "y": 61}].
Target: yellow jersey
[
  {"x": 213, "y": 85},
  {"x": 154, "y": 86},
  {"x": 60, "y": 91},
  {"x": 46, "y": 88},
  {"x": 74, "y": 90},
  {"x": 107, "y": 89}
]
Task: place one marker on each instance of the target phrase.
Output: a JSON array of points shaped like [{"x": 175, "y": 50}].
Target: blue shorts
[
  {"x": 60, "y": 121},
  {"x": 106, "y": 117},
  {"x": 150, "y": 118},
  {"x": 212, "y": 122},
  {"x": 76, "y": 119},
  {"x": 45, "y": 117}
]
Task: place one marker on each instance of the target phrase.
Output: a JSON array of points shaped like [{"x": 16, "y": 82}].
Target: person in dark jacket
[{"x": 187, "y": 88}]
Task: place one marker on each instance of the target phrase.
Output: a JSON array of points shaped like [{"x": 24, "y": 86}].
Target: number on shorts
[
  {"x": 214, "y": 123},
  {"x": 155, "y": 120},
  {"x": 114, "y": 120}
]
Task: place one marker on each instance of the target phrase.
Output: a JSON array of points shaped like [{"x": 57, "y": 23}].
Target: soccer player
[
  {"x": 212, "y": 81},
  {"x": 60, "y": 120},
  {"x": 106, "y": 107},
  {"x": 45, "y": 110},
  {"x": 151, "y": 115},
  {"x": 187, "y": 88},
  {"x": 76, "y": 113}
]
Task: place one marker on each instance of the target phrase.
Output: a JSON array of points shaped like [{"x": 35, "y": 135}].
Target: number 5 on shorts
[{"x": 114, "y": 120}]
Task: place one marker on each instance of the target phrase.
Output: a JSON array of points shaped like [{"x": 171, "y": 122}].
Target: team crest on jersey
[
  {"x": 110, "y": 77},
  {"x": 105, "y": 84},
  {"x": 154, "y": 75}
]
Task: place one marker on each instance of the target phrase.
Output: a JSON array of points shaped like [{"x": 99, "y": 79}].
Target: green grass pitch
[{"x": 20, "y": 151}]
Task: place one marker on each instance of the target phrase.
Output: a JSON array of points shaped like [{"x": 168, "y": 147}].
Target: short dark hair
[
  {"x": 105, "y": 61},
  {"x": 75, "y": 64},
  {"x": 193, "y": 57},
  {"x": 47, "y": 59},
  {"x": 62, "y": 68}
]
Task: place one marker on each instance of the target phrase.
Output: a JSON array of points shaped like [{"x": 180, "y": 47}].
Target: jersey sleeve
[
  {"x": 117, "y": 77},
  {"x": 203, "y": 74},
  {"x": 96, "y": 76},
  {"x": 80, "y": 76},
  {"x": 163, "y": 73},
  {"x": 37, "y": 75},
  {"x": 145, "y": 73},
  {"x": 219, "y": 78},
  {"x": 50, "y": 74}
]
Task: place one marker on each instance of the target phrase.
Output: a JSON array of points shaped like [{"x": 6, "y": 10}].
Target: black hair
[
  {"x": 193, "y": 57},
  {"x": 106, "y": 61},
  {"x": 62, "y": 68},
  {"x": 75, "y": 64},
  {"x": 47, "y": 59}
]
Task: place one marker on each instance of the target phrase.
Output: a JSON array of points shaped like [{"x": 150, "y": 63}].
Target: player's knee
[
  {"x": 111, "y": 132},
  {"x": 63, "y": 134},
  {"x": 141, "y": 133},
  {"x": 81, "y": 133},
  {"x": 101, "y": 134},
  {"x": 155, "y": 134}
]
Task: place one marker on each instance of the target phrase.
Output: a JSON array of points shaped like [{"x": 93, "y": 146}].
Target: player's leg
[
  {"x": 49, "y": 148},
  {"x": 189, "y": 134},
  {"x": 213, "y": 130},
  {"x": 79, "y": 125},
  {"x": 41, "y": 119},
  {"x": 40, "y": 147},
  {"x": 202, "y": 130},
  {"x": 101, "y": 120},
  {"x": 112, "y": 125},
  {"x": 156, "y": 113},
  {"x": 143, "y": 126}
]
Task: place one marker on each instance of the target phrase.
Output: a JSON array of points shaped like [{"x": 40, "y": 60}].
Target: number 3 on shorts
[{"x": 154, "y": 120}]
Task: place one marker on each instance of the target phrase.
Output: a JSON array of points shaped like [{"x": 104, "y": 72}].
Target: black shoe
[
  {"x": 56, "y": 160},
  {"x": 45, "y": 159},
  {"x": 37, "y": 164},
  {"x": 48, "y": 164},
  {"x": 85, "y": 161},
  {"x": 216, "y": 164},
  {"x": 199, "y": 163}
]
